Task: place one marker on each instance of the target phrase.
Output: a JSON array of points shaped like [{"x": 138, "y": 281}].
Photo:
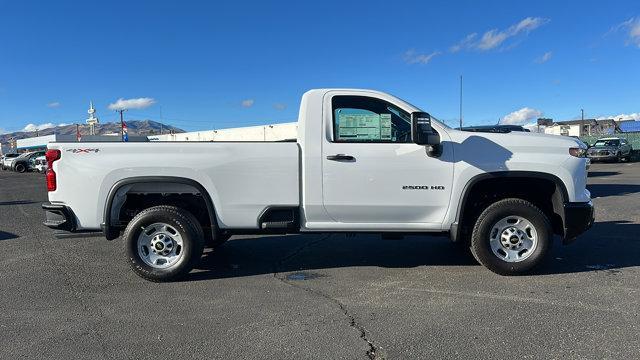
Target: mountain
[{"x": 135, "y": 127}]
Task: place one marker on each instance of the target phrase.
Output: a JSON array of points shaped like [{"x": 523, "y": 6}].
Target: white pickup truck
[{"x": 363, "y": 161}]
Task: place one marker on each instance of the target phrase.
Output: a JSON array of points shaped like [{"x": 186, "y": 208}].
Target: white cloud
[
  {"x": 247, "y": 103},
  {"x": 412, "y": 57},
  {"x": 54, "y": 104},
  {"x": 34, "y": 127},
  {"x": 139, "y": 103},
  {"x": 632, "y": 27},
  {"x": 520, "y": 117},
  {"x": 545, "y": 57},
  {"x": 464, "y": 43},
  {"x": 279, "y": 106},
  {"x": 632, "y": 116},
  {"x": 493, "y": 38}
]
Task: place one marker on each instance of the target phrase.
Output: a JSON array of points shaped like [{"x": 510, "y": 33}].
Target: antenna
[{"x": 460, "y": 101}]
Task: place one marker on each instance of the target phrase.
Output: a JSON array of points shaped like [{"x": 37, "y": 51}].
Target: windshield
[{"x": 602, "y": 143}]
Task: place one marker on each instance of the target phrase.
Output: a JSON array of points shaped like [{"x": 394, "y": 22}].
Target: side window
[{"x": 369, "y": 120}]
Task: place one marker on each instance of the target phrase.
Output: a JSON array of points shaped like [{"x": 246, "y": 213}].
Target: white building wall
[
  {"x": 33, "y": 142},
  {"x": 568, "y": 130},
  {"x": 275, "y": 132}
]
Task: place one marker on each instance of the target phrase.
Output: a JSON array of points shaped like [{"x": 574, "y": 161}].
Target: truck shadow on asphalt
[
  {"x": 596, "y": 250},
  {"x": 7, "y": 235},
  {"x": 602, "y": 173},
  {"x": 603, "y": 190},
  {"x": 17, "y": 202}
]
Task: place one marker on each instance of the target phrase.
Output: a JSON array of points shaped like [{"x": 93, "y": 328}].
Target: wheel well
[
  {"x": 130, "y": 197},
  {"x": 544, "y": 193}
]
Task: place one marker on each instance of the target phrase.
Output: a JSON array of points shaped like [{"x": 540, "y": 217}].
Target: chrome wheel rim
[
  {"x": 160, "y": 246},
  {"x": 513, "y": 239}
]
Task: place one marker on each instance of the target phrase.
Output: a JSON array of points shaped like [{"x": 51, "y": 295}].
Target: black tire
[
  {"x": 184, "y": 223},
  {"x": 480, "y": 245},
  {"x": 20, "y": 168}
]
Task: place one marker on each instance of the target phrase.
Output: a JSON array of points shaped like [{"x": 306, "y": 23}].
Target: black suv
[{"x": 611, "y": 148}]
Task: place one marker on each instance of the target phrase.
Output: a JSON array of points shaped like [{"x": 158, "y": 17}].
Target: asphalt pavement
[{"x": 321, "y": 296}]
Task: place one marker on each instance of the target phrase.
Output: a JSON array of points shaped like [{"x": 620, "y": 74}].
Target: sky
[{"x": 202, "y": 65}]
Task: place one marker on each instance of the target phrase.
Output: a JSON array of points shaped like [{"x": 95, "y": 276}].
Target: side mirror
[{"x": 421, "y": 131}]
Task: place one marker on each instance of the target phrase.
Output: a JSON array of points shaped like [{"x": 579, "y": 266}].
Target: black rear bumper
[
  {"x": 59, "y": 217},
  {"x": 578, "y": 218}
]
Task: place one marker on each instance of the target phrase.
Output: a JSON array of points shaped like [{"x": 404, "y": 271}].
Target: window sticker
[{"x": 364, "y": 127}]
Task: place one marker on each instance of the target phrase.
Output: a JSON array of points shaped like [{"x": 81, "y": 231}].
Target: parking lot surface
[{"x": 321, "y": 296}]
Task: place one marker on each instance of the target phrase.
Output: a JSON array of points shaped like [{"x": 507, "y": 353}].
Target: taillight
[{"x": 51, "y": 156}]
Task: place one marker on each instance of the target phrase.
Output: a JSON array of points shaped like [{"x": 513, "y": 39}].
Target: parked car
[
  {"x": 494, "y": 128},
  {"x": 364, "y": 161},
  {"x": 610, "y": 149},
  {"x": 7, "y": 160},
  {"x": 40, "y": 164},
  {"x": 21, "y": 163}
]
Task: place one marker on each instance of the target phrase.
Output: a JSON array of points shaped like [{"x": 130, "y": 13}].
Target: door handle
[{"x": 340, "y": 157}]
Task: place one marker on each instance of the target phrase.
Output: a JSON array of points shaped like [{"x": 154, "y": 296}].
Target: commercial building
[
  {"x": 586, "y": 127},
  {"x": 40, "y": 142},
  {"x": 275, "y": 132}
]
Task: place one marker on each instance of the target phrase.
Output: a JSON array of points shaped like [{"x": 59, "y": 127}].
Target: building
[
  {"x": 630, "y": 126},
  {"x": 40, "y": 142},
  {"x": 275, "y": 132},
  {"x": 586, "y": 127}
]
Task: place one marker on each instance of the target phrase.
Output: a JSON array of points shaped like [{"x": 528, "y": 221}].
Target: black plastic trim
[
  {"x": 68, "y": 222},
  {"x": 455, "y": 229},
  {"x": 111, "y": 232},
  {"x": 578, "y": 218},
  {"x": 286, "y": 226}
]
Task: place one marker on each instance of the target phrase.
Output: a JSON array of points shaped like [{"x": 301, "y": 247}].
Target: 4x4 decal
[{"x": 81, "y": 150}]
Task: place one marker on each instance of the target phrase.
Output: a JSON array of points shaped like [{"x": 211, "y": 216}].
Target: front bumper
[
  {"x": 59, "y": 217},
  {"x": 578, "y": 218}
]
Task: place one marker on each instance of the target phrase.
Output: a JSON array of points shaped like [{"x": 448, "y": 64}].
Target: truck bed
[{"x": 243, "y": 179}]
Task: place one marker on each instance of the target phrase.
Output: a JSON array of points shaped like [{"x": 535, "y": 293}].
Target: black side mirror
[{"x": 421, "y": 131}]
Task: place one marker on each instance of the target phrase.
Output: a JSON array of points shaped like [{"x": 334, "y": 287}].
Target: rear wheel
[
  {"x": 163, "y": 243},
  {"x": 20, "y": 168},
  {"x": 511, "y": 237}
]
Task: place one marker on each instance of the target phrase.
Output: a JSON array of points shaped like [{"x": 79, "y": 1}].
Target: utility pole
[
  {"x": 460, "y": 101},
  {"x": 121, "y": 122},
  {"x": 161, "y": 121}
]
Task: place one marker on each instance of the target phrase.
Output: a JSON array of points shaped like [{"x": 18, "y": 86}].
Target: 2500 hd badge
[{"x": 422, "y": 187}]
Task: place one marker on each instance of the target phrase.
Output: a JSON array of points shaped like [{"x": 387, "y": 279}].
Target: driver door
[{"x": 373, "y": 174}]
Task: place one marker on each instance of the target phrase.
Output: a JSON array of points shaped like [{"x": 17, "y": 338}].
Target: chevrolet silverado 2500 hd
[{"x": 364, "y": 161}]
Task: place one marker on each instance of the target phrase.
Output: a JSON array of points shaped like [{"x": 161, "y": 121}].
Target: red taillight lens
[{"x": 51, "y": 156}]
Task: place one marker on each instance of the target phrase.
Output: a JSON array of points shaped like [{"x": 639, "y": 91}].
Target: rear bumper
[
  {"x": 578, "y": 218},
  {"x": 59, "y": 217}
]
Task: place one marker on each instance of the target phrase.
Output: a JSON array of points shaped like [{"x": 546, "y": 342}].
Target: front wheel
[
  {"x": 163, "y": 243},
  {"x": 21, "y": 168},
  {"x": 511, "y": 237}
]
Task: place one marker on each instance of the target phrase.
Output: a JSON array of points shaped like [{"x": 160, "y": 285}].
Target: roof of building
[
  {"x": 585, "y": 121},
  {"x": 630, "y": 126}
]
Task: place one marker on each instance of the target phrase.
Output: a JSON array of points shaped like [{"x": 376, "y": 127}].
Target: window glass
[
  {"x": 614, "y": 142},
  {"x": 365, "y": 119}
]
